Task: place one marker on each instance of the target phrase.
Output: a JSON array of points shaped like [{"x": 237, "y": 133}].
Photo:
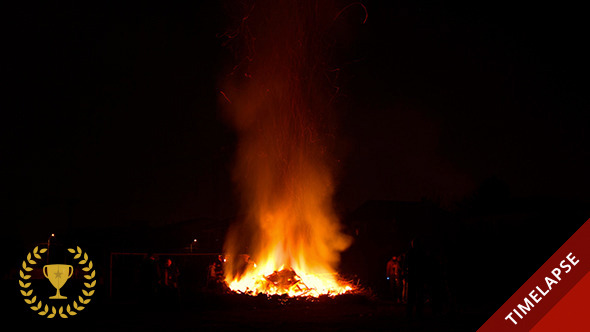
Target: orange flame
[{"x": 279, "y": 108}]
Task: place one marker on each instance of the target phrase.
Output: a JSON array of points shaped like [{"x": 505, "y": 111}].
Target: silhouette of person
[
  {"x": 211, "y": 275},
  {"x": 218, "y": 268},
  {"x": 416, "y": 278},
  {"x": 170, "y": 275},
  {"x": 403, "y": 276},
  {"x": 394, "y": 278},
  {"x": 216, "y": 275},
  {"x": 150, "y": 276}
]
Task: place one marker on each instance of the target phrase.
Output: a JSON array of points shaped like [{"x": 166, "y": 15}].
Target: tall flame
[{"x": 278, "y": 103}]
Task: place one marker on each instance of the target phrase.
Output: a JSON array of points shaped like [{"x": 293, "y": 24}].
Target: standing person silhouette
[
  {"x": 394, "y": 278},
  {"x": 416, "y": 278},
  {"x": 170, "y": 275}
]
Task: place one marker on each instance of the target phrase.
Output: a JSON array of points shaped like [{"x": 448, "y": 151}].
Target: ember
[
  {"x": 278, "y": 101},
  {"x": 288, "y": 282}
]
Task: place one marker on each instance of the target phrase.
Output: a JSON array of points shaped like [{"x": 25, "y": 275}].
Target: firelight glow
[{"x": 280, "y": 109}]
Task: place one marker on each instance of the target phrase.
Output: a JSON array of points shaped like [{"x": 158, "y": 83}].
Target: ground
[{"x": 241, "y": 313}]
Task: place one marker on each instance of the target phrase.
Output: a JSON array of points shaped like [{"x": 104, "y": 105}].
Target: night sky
[{"x": 111, "y": 112}]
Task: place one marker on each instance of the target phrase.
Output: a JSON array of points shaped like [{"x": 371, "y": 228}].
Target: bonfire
[{"x": 279, "y": 101}]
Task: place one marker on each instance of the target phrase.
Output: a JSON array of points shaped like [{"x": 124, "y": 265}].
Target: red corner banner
[{"x": 556, "y": 297}]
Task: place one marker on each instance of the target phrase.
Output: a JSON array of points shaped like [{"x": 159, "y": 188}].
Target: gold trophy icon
[{"x": 58, "y": 274}]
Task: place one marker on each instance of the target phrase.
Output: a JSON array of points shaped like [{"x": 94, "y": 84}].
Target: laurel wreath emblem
[{"x": 69, "y": 310}]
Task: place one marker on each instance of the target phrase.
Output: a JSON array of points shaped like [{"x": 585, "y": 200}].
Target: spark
[{"x": 224, "y": 96}]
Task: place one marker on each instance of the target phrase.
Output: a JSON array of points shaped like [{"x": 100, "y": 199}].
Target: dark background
[{"x": 111, "y": 121}]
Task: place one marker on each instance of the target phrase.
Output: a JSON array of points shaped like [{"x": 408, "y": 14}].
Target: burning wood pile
[
  {"x": 288, "y": 282},
  {"x": 284, "y": 281}
]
